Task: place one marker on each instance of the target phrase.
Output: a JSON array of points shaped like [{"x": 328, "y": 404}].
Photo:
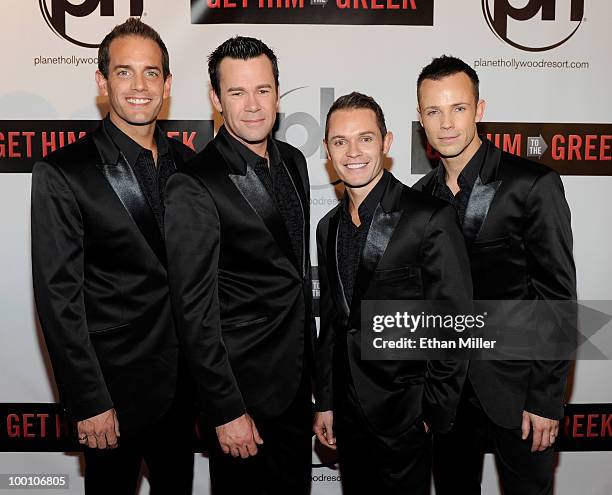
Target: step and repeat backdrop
[{"x": 545, "y": 74}]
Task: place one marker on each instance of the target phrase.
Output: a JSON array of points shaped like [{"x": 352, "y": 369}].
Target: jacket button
[{"x": 352, "y": 331}]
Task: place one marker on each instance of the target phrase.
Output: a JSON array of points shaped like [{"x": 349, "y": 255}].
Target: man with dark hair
[
  {"x": 384, "y": 241},
  {"x": 100, "y": 281},
  {"x": 237, "y": 235},
  {"x": 516, "y": 224}
]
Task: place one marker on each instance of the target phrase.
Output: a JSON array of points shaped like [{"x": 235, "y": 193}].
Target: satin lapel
[
  {"x": 335, "y": 281},
  {"x": 121, "y": 178},
  {"x": 478, "y": 208},
  {"x": 382, "y": 228},
  {"x": 482, "y": 195},
  {"x": 256, "y": 194}
]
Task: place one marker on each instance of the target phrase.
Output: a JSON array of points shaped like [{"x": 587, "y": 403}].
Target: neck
[
  {"x": 453, "y": 166},
  {"x": 144, "y": 135},
  {"x": 357, "y": 195},
  {"x": 259, "y": 148}
]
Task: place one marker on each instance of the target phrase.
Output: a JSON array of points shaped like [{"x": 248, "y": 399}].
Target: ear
[
  {"x": 216, "y": 102},
  {"x": 480, "y": 109},
  {"x": 167, "y": 86},
  {"x": 418, "y": 109},
  {"x": 102, "y": 83},
  {"x": 326, "y": 149},
  {"x": 387, "y": 142},
  {"x": 277, "y": 98}
]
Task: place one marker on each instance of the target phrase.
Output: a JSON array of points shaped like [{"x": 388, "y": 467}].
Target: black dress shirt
[
  {"x": 351, "y": 238},
  {"x": 279, "y": 185},
  {"x": 151, "y": 178},
  {"x": 466, "y": 181}
]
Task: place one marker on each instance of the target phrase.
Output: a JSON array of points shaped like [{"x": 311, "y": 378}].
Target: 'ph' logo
[
  {"x": 306, "y": 130},
  {"x": 555, "y": 33},
  {"x": 54, "y": 12}
]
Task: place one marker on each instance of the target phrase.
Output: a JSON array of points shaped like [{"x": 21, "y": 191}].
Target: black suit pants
[
  {"x": 282, "y": 465},
  {"x": 166, "y": 446},
  {"x": 374, "y": 463},
  {"x": 459, "y": 454}
]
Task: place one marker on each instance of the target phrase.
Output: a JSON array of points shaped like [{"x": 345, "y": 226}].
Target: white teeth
[
  {"x": 356, "y": 165},
  {"x": 138, "y": 101}
]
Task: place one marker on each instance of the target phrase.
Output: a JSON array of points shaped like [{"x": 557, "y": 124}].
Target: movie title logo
[
  {"x": 586, "y": 427},
  {"x": 517, "y": 25},
  {"x": 78, "y": 22},
  {"x": 45, "y": 427},
  {"x": 357, "y": 12},
  {"x": 571, "y": 149},
  {"x": 23, "y": 142}
]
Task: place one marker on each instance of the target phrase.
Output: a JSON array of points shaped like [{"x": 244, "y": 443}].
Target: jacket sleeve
[
  {"x": 193, "y": 241},
  {"x": 548, "y": 243},
  {"x": 446, "y": 277},
  {"x": 58, "y": 274},
  {"x": 324, "y": 349}
]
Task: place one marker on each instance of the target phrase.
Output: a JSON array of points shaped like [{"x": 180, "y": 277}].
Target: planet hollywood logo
[
  {"x": 521, "y": 27},
  {"x": 80, "y": 25},
  {"x": 306, "y": 131}
]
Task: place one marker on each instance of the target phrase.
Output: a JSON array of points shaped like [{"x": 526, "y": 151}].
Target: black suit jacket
[
  {"x": 100, "y": 283},
  {"x": 518, "y": 232},
  {"x": 414, "y": 250},
  {"x": 242, "y": 299}
]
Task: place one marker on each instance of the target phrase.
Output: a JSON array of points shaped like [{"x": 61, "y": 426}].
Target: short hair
[
  {"x": 241, "y": 48},
  {"x": 131, "y": 27},
  {"x": 445, "y": 66},
  {"x": 356, "y": 101}
]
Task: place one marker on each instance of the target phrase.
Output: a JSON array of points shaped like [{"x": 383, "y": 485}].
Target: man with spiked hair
[
  {"x": 516, "y": 224},
  {"x": 100, "y": 281},
  {"x": 237, "y": 233}
]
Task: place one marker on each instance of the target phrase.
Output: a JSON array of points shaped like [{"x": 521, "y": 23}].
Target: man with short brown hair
[{"x": 100, "y": 281}]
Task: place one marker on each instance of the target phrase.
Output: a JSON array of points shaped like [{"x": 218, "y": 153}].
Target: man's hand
[
  {"x": 545, "y": 431},
  {"x": 99, "y": 432},
  {"x": 239, "y": 437},
  {"x": 323, "y": 428}
]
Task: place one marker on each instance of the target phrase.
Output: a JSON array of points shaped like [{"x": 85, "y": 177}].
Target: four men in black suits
[
  {"x": 516, "y": 224},
  {"x": 383, "y": 241},
  {"x": 236, "y": 224},
  {"x": 100, "y": 277},
  {"x": 237, "y": 227}
]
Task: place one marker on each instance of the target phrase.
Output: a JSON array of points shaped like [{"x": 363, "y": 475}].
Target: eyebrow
[
  {"x": 364, "y": 133},
  {"x": 453, "y": 105},
  {"x": 148, "y": 67},
  {"x": 240, "y": 88}
]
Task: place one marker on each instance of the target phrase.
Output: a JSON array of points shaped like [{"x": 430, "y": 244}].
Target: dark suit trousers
[
  {"x": 166, "y": 446},
  {"x": 459, "y": 454},
  {"x": 283, "y": 463},
  {"x": 373, "y": 463}
]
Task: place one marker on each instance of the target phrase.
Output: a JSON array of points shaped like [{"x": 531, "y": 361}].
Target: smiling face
[
  {"x": 135, "y": 86},
  {"x": 449, "y": 112},
  {"x": 356, "y": 147},
  {"x": 248, "y": 99}
]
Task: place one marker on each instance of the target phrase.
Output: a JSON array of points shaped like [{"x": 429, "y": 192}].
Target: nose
[
  {"x": 353, "y": 149},
  {"x": 446, "y": 122},
  {"x": 138, "y": 82},
  {"x": 252, "y": 103}
]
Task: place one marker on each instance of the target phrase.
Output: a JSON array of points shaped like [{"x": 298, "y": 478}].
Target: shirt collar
[
  {"x": 130, "y": 148},
  {"x": 369, "y": 204},
  {"x": 470, "y": 172}
]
